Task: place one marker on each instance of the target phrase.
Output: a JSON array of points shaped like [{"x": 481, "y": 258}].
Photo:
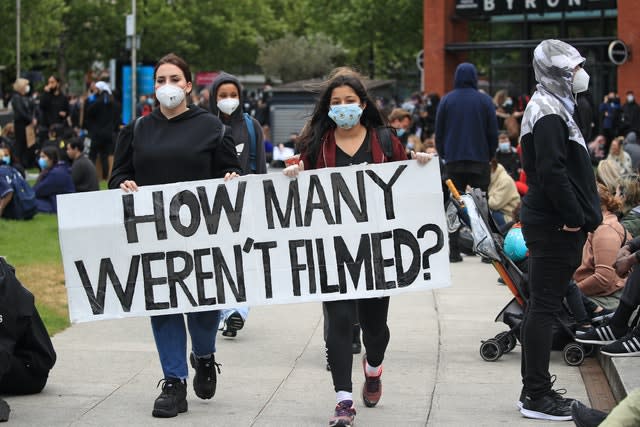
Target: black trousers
[
  {"x": 554, "y": 256},
  {"x": 372, "y": 313}
]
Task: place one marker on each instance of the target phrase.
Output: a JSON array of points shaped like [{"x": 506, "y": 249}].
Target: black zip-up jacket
[
  {"x": 562, "y": 186},
  {"x": 188, "y": 147}
]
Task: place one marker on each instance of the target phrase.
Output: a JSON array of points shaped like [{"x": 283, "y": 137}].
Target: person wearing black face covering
[{"x": 630, "y": 118}]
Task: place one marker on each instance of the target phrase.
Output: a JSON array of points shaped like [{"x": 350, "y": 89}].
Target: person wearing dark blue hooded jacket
[
  {"x": 561, "y": 206},
  {"x": 466, "y": 137},
  {"x": 225, "y": 101}
]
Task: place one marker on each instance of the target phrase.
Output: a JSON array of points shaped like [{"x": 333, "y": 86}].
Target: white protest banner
[{"x": 362, "y": 231}]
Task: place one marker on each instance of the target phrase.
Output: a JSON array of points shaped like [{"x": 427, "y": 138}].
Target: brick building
[{"x": 499, "y": 37}]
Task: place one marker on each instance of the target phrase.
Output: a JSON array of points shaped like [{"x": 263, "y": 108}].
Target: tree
[{"x": 294, "y": 58}]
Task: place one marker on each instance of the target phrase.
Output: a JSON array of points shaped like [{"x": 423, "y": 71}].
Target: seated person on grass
[
  {"x": 55, "y": 178},
  {"x": 83, "y": 171}
]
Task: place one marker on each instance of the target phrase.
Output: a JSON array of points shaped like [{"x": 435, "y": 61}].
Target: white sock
[
  {"x": 373, "y": 371},
  {"x": 344, "y": 395}
]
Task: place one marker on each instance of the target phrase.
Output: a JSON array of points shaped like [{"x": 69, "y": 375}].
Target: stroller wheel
[
  {"x": 573, "y": 354},
  {"x": 490, "y": 350},
  {"x": 507, "y": 340}
]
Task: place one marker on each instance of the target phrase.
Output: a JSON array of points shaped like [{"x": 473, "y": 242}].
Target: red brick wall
[
  {"x": 440, "y": 29},
  {"x": 629, "y": 32}
]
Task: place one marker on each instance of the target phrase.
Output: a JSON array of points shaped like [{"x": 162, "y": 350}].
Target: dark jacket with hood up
[
  {"x": 189, "y": 147},
  {"x": 466, "y": 124},
  {"x": 562, "y": 186},
  {"x": 239, "y": 128}
]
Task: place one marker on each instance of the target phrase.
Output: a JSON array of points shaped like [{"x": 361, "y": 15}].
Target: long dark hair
[
  {"x": 51, "y": 151},
  {"x": 319, "y": 123}
]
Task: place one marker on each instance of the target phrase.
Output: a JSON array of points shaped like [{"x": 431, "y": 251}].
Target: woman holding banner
[
  {"x": 177, "y": 142},
  {"x": 347, "y": 128}
]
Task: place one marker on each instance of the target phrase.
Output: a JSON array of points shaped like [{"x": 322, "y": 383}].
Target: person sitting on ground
[
  {"x": 56, "y": 139},
  {"x": 83, "y": 171},
  {"x": 503, "y": 194},
  {"x": 7, "y": 158},
  {"x": 26, "y": 352},
  {"x": 55, "y": 178},
  {"x": 619, "y": 156},
  {"x": 507, "y": 156},
  {"x": 17, "y": 198},
  {"x": 628, "y": 190},
  {"x": 596, "y": 276},
  {"x": 625, "y": 414},
  {"x": 615, "y": 336}
]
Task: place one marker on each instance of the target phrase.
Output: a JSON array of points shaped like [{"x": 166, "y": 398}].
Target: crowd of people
[{"x": 567, "y": 181}]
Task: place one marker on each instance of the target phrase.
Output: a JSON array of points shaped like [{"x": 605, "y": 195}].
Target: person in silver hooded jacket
[{"x": 558, "y": 211}]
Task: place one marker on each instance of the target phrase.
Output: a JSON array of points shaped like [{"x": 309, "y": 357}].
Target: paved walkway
[{"x": 274, "y": 373}]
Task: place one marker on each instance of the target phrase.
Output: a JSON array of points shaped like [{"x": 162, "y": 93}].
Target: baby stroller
[{"x": 473, "y": 210}]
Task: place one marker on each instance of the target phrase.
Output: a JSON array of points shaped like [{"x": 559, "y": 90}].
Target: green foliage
[
  {"x": 293, "y": 58},
  {"x": 377, "y": 37}
]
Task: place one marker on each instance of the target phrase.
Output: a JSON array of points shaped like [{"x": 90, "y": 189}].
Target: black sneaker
[
  {"x": 172, "y": 400},
  {"x": 4, "y": 411},
  {"x": 629, "y": 345},
  {"x": 232, "y": 325},
  {"x": 599, "y": 335},
  {"x": 551, "y": 407},
  {"x": 204, "y": 382},
  {"x": 584, "y": 416},
  {"x": 602, "y": 315},
  {"x": 455, "y": 258}
]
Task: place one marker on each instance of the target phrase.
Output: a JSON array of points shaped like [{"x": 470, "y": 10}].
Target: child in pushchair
[{"x": 488, "y": 239}]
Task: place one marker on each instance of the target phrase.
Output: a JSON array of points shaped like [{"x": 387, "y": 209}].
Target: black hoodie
[
  {"x": 188, "y": 147},
  {"x": 238, "y": 124}
]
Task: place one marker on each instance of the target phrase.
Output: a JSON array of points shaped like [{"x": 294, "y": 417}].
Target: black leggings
[
  {"x": 554, "y": 255},
  {"x": 375, "y": 335}
]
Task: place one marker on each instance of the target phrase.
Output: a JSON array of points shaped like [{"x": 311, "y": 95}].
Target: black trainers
[
  {"x": 232, "y": 325},
  {"x": 204, "y": 382},
  {"x": 551, "y": 407},
  {"x": 172, "y": 400},
  {"x": 629, "y": 345},
  {"x": 584, "y": 416},
  {"x": 602, "y": 315},
  {"x": 4, "y": 411},
  {"x": 455, "y": 258},
  {"x": 599, "y": 335}
]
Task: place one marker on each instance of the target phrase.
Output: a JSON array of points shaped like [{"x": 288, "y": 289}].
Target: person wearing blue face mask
[
  {"x": 55, "y": 178},
  {"x": 400, "y": 120},
  {"x": 507, "y": 156},
  {"x": 342, "y": 131},
  {"x": 6, "y": 158}
]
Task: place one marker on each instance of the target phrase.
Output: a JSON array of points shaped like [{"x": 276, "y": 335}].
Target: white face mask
[
  {"x": 630, "y": 98},
  {"x": 170, "y": 96},
  {"x": 228, "y": 105},
  {"x": 27, "y": 89},
  {"x": 580, "y": 81}
]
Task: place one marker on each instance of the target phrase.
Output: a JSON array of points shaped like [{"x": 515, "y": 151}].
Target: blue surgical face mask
[
  {"x": 6, "y": 160},
  {"x": 346, "y": 116},
  {"x": 400, "y": 131},
  {"x": 504, "y": 147},
  {"x": 43, "y": 163}
]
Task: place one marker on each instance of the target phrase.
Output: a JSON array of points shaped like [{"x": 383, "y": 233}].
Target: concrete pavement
[{"x": 274, "y": 373}]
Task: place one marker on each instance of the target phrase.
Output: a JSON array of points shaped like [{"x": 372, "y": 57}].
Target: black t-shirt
[{"x": 363, "y": 155}]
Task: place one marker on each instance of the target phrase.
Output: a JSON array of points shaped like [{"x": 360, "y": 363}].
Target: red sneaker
[
  {"x": 372, "y": 387},
  {"x": 344, "y": 415}
]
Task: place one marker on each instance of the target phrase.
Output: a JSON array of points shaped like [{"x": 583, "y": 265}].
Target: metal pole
[
  {"x": 17, "y": 39},
  {"x": 134, "y": 72}
]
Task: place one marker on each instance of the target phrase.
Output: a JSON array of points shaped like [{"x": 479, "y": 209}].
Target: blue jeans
[{"x": 170, "y": 335}]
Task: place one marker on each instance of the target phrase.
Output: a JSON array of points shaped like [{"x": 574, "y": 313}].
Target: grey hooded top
[{"x": 553, "y": 64}]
